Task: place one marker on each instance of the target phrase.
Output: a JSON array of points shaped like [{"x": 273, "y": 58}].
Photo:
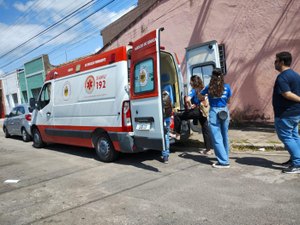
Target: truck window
[
  {"x": 45, "y": 95},
  {"x": 143, "y": 76}
]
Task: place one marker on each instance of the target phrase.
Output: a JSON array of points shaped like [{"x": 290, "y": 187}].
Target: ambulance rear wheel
[
  {"x": 37, "y": 139},
  {"x": 105, "y": 149}
]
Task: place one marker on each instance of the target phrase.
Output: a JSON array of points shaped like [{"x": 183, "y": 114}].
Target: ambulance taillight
[{"x": 126, "y": 119}]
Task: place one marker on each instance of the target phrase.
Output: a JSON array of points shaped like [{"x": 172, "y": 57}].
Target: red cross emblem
[{"x": 89, "y": 84}]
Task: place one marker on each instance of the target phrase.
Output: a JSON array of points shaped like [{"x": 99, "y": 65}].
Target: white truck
[{"x": 110, "y": 101}]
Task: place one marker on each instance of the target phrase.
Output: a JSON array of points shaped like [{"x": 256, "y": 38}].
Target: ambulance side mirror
[{"x": 32, "y": 103}]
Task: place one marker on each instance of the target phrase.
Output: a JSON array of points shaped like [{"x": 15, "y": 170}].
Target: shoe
[
  {"x": 206, "y": 152},
  {"x": 165, "y": 160},
  {"x": 292, "y": 169},
  {"x": 287, "y": 163},
  {"x": 172, "y": 135},
  {"x": 220, "y": 166}
]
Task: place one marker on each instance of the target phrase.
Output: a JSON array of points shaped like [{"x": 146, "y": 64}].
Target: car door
[
  {"x": 11, "y": 121},
  {"x": 18, "y": 119},
  {"x": 145, "y": 92}
]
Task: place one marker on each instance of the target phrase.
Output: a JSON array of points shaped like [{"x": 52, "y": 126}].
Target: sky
[{"x": 30, "y": 28}]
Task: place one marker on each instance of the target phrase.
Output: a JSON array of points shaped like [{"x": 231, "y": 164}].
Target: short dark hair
[{"x": 286, "y": 57}]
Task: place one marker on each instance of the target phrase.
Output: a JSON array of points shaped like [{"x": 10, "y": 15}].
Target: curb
[{"x": 259, "y": 146}]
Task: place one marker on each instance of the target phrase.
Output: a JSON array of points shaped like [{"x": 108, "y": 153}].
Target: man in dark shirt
[{"x": 286, "y": 105}]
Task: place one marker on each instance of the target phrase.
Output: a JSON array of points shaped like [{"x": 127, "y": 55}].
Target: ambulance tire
[
  {"x": 37, "y": 139},
  {"x": 105, "y": 149}
]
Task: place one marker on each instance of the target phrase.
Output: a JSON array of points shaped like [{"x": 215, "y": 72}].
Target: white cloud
[
  {"x": 22, "y": 7},
  {"x": 2, "y": 3},
  {"x": 40, "y": 14}
]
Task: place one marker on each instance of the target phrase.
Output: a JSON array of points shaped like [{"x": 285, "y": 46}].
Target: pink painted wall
[{"x": 252, "y": 31}]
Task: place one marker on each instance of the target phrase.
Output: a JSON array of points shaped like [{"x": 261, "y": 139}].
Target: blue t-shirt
[
  {"x": 194, "y": 97},
  {"x": 286, "y": 81},
  {"x": 218, "y": 101}
]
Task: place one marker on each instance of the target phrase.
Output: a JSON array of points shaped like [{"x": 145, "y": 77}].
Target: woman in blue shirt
[
  {"x": 193, "y": 101},
  {"x": 219, "y": 95}
]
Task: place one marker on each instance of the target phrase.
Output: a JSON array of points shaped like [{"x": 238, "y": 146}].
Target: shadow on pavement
[
  {"x": 137, "y": 159},
  {"x": 204, "y": 159},
  {"x": 256, "y": 161},
  {"x": 73, "y": 150}
]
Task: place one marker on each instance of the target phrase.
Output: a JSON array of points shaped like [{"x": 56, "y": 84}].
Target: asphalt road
[{"x": 67, "y": 185}]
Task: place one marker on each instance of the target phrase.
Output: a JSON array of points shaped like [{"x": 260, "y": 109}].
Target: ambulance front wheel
[
  {"x": 37, "y": 139},
  {"x": 105, "y": 149}
]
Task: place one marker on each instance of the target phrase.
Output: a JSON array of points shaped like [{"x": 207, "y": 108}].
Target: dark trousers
[{"x": 194, "y": 114}]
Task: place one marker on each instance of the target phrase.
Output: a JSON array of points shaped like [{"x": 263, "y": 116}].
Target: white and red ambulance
[{"x": 110, "y": 101}]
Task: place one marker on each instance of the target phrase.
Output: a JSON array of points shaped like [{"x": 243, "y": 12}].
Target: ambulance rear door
[
  {"x": 202, "y": 58},
  {"x": 145, "y": 92}
]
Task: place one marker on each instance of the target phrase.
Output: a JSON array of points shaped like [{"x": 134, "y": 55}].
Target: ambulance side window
[
  {"x": 143, "y": 76},
  {"x": 204, "y": 72},
  {"x": 45, "y": 96}
]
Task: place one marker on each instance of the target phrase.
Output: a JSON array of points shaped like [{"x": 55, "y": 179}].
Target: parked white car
[{"x": 18, "y": 122}]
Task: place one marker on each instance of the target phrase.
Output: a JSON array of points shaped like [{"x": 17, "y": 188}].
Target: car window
[
  {"x": 13, "y": 112},
  {"x": 21, "y": 111}
]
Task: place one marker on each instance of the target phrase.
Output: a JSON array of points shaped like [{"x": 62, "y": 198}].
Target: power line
[
  {"x": 102, "y": 7},
  {"x": 47, "y": 29},
  {"x": 88, "y": 33}
]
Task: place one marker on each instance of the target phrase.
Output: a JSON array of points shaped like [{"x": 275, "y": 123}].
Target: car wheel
[
  {"x": 105, "y": 149},
  {"x": 37, "y": 139},
  {"x": 6, "y": 134},
  {"x": 25, "y": 135}
]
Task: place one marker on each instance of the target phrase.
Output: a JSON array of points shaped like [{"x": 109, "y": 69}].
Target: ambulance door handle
[
  {"x": 136, "y": 112},
  {"x": 48, "y": 114}
]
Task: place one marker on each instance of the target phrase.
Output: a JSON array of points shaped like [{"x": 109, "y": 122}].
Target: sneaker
[
  {"x": 165, "y": 160},
  {"x": 220, "y": 166},
  {"x": 287, "y": 163},
  {"x": 206, "y": 152},
  {"x": 292, "y": 169}
]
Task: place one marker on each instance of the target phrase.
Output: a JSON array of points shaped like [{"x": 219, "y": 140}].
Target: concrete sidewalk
[
  {"x": 256, "y": 138},
  {"x": 259, "y": 138}
]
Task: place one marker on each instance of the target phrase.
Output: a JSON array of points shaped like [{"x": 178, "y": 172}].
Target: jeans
[
  {"x": 287, "y": 131},
  {"x": 166, "y": 152},
  {"x": 219, "y": 134},
  {"x": 194, "y": 114}
]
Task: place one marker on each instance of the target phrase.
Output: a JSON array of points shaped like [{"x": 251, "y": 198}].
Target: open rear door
[
  {"x": 201, "y": 59},
  {"x": 145, "y": 92}
]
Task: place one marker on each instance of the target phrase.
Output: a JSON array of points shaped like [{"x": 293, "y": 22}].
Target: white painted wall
[{"x": 10, "y": 89}]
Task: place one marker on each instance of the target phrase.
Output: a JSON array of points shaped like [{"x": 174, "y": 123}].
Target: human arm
[
  {"x": 291, "y": 96},
  {"x": 228, "y": 101},
  {"x": 189, "y": 103}
]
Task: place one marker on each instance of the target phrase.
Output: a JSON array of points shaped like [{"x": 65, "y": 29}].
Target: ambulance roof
[{"x": 88, "y": 63}]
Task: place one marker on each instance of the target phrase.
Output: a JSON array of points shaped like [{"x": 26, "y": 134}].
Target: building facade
[
  {"x": 10, "y": 91},
  {"x": 251, "y": 31},
  {"x": 2, "y": 111},
  {"x": 32, "y": 78}
]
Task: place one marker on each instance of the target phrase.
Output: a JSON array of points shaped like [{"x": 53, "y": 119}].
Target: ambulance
[{"x": 111, "y": 101}]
